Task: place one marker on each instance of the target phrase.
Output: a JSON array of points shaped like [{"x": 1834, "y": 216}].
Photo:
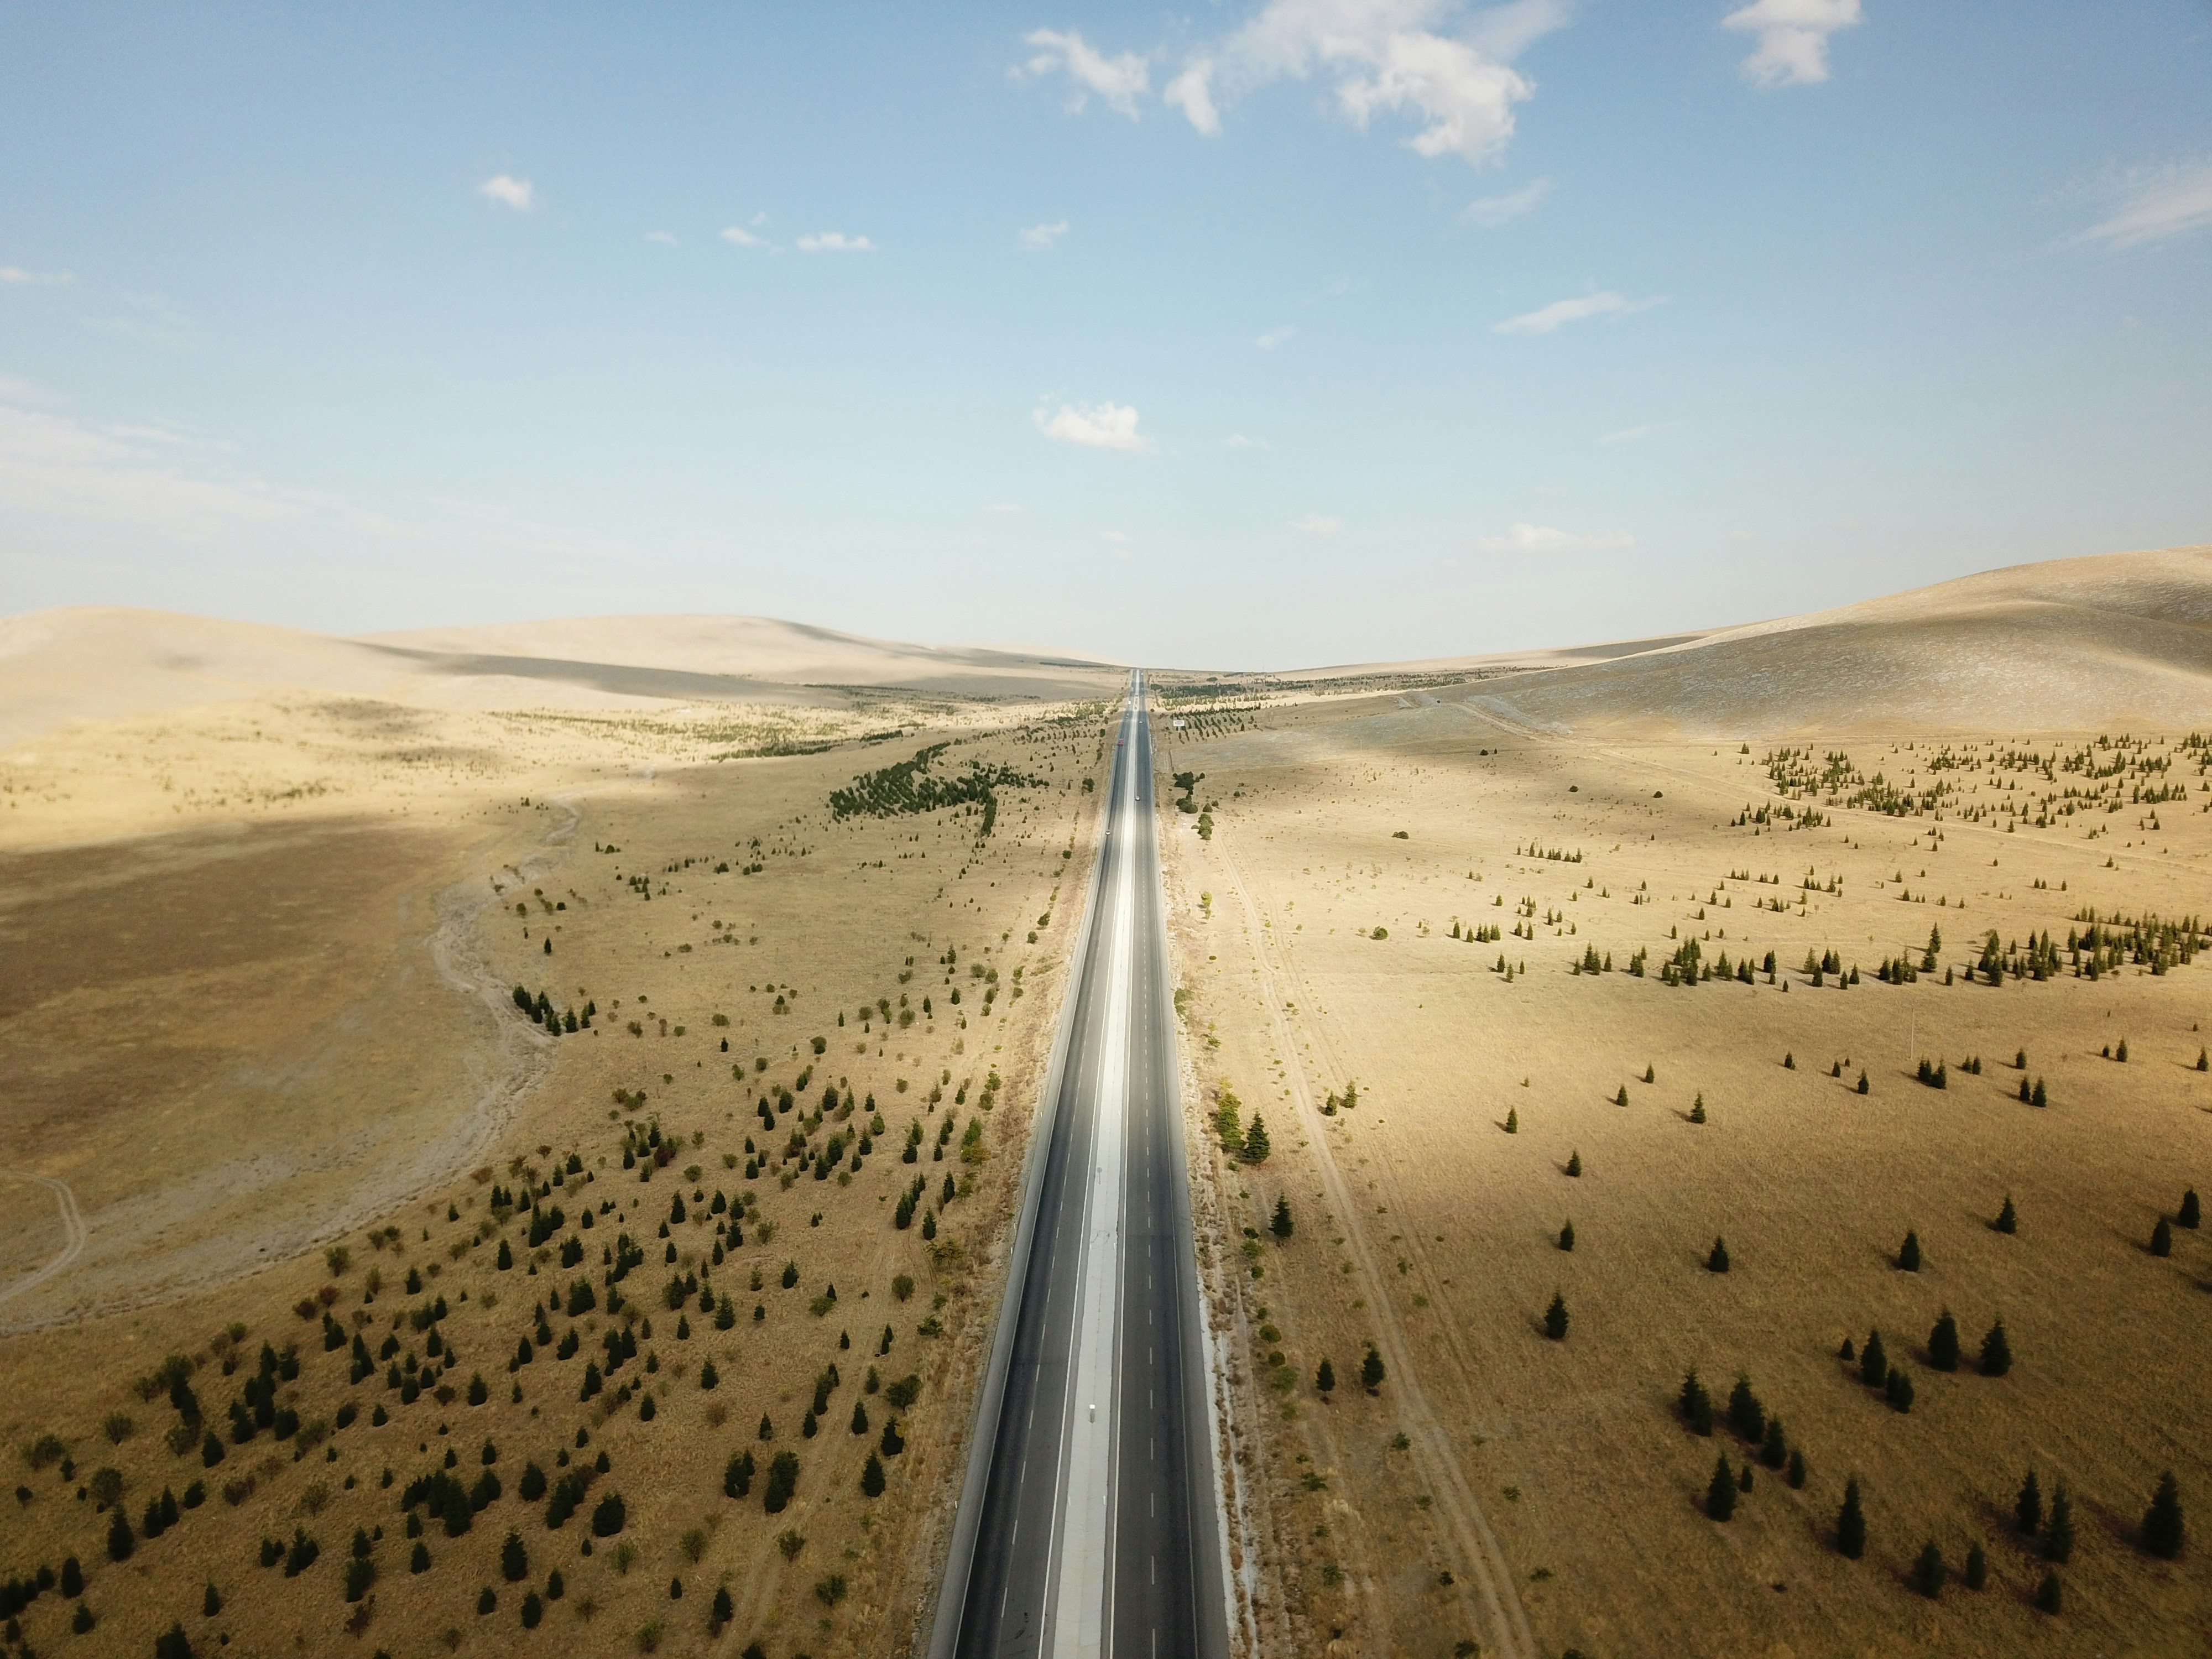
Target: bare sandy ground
[
  {"x": 258, "y": 1002},
  {"x": 1350, "y": 839}
]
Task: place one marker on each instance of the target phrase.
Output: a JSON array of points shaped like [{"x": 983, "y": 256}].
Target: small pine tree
[
  {"x": 1282, "y": 1225},
  {"x": 2039, "y": 1098},
  {"x": 1929, "y": 1571},
  {"x": 1943, "y": 1343},
  {"x": 1744, "y": 1414},
  {"x": 1575, "y": 1163},
  {"x": 120, "y": 1539},
  {"x": 1697, "y": 1406},
  {"x": 2189, "y": 1215},
  {"x": 1847, "y": 1353},
  {"x": 2028, "y": 1508},
  {"x": 1372, "y": 1371},
  {"x": 1796, "y": 1474},
  {"x": 2162, "y": 1238},
  {"x": 1650, "y": 1074},
  {"x": 871, "y": 1476},
  {"x": 2058, "y": 1529},
  {"x": 1555, "y": 1318},
  {"x": 1698, "y": 1110},
  {"x": 1908, "y": 1254},
  {"x": 1899, "y": 1388},
  {"x": 1864, "y": 1087},
  {"x": 1977, "y": 1568},
  {"x": 1743, "y": 1478},
  {"x": 1850, "y": 1522},
  {"x": 2049, "y": 1596},
  {"x": 723, "y": 1611},
  {"x": 1721, "y": 1490},
  {"x": 1325, "y": 1377},
  {"x": 1256, "y": 1144},
  {"x": 1512, "y": 1120},
  {"x": 1775, "y": 1452},
  {"x": 1873, "y": 1363},
  {"x": 2027, "y": 1096},
  {"x": 2008, "y": 1217},
  {"x": 1717, "y": 1261},
  {"x": 1996, "y": 1351},
  {"x": 1621, "y": 1099},
  {"x": 211, "y": 1602},
  {"x": 1567, "y": 1236},
  {"x": 514, "y": 1560},
  {"x": 2162, "y": 1529}
]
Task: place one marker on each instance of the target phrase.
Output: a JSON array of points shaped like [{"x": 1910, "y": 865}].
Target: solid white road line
[{"x": 1078, "y": 1595}]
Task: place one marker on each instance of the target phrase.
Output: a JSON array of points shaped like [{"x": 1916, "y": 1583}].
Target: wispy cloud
[
  {"x": 1793, "y": 38},
  {"x": 835, "y": 241},
  {"x": 53, "y": 465},
  {"x": 1118, "y": 538},
  {"x": 1274, "y": 337},
  {"x": 1108, "y": 426},
  {"x": 1039, "y": 239},
  {"x": 2154, "y": 205},
  {"x": 1120, "y": 82},
  {"x": 664, "y": 238},
  {"x": 1491, "y": 211},
  {"x": 1629, "y": 435},
  {"x": 1318, "y": 524},
  {"x": 1393, "y": 56},
  {"x": 739, "y": 236},
  {"x": 1560, "y": 312},
  {"x": 16, "y": 276},
  {"x": 509, "y": 192},
  {"x": 1238, "y": 440},
  {"x": 1542, "y": 538}
]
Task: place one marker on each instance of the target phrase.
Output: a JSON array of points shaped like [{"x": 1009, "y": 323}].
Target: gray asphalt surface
[{"x": 1140, "y": 1578}]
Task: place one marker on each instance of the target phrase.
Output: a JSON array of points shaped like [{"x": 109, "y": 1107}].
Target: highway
[{"x": 1088, "y": 1525}]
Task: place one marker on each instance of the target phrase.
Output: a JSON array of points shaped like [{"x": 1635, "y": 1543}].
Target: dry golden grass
[
  {"x": 1422, "y": 1226},
  {"x": 235, "y": 1027}
]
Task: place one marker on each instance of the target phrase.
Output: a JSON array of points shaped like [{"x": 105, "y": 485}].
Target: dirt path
[
  {"x": 513, "y": 1064},
  {"x": 1486, "y": 1587},
  {"x": 72, "y": 1226}
]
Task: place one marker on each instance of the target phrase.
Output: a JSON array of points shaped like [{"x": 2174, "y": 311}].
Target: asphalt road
[{"x": 1090, "y": 1524}]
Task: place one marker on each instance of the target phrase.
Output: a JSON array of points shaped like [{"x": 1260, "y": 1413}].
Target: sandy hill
[
  {"x": 99, "y": 663},
  {"x": 2067, "y": 644}
]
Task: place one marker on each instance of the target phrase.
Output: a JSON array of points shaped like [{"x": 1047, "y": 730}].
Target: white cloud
[
  {"x": 737, "y": 236},
  {"x": 1039, "y": 239},
  {"x": 1491, "y": 211},
  {"x": 509, "y": 192},
  {"x": 1542, "y": 538},
  {"x": 833, "y": 241},
  {"x": 2171, "y": 200},
  {"x": 660, "y": 236},
  {"x": 1545, "y": 318},
  {"x": 1238, "y": 440},
  {"x": 1274, "y": 337},
  {"x": 1379, "y": 55},
  {"x": 16, "y": 276},
  {"x": 1630, "y": 434},
  {"x": 1318, "y": 524},
  {"x": 1388, "y": 55},
  {"x": 1192, "y": 92},
  {"x": 1109, "y": 426},
  {"x": 52, "y": 465},
  {"x": 1114, "y": 536},
  {"x": 1118, "y": 81},
  {"x": 1793, "y": 38}
]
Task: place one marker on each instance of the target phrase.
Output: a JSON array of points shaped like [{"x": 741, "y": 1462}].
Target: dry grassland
[
  {"x": 257, "y": 1012},
  {"x": 1548, "y": 1494}
]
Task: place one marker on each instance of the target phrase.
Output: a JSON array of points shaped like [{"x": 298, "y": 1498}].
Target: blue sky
[{"x": 1258, "y": 335}]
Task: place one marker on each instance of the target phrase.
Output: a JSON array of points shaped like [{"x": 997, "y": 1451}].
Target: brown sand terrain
[
  {"x": 272, "y": 1087},
  {"x": 1548, "y": 1494},
  {"x": 259, "y": 934}
]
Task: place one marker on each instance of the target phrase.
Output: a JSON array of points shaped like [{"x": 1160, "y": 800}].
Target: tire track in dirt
[
  {"x": 1499, "y": 1613},
  {"x": 73, "y": 1228}
]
